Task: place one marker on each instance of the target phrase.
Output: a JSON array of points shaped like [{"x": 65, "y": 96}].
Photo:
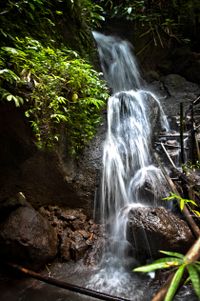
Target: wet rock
[
  {"x": 94, "y": 255},
  {"x": 26, "y": 237},
  {"x": 77, "y": 234},
  {"x": 65, "y": 247},
  {"x": 78, "y": 246},
  {"x": 152, "y": 229},
  {"x": 74, "y": 244},
  {"x": 11, "y": 203},
  {"x": 173, "y": 89}
]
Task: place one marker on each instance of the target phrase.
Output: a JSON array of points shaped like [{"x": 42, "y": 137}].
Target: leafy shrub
[{"x": 60, "y": 91}]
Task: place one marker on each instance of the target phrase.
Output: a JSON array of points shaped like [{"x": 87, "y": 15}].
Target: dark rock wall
[{"x": 45, "y": 177}]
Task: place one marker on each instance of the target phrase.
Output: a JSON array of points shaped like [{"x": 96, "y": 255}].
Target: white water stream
[{"x": 129, "y": 177}]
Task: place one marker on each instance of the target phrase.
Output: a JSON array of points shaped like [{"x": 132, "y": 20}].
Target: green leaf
[
  {"x": 195, "y": 278},
  {"x": 11, "y": 50},
  {"x": 151, "y": 267},
  {"x": 197, "y": 266},
  {"x": 175, "y": 283},
  {"x": 197, "y": 213},
  {"x": 171, "y": 197},
  {"x": 191, "y": 201},
  {"x": 182, "y": 204},
  {"x": 129, "y": 10},
  {"x": 171, "y": 261},
  {"x": 9, "y": 97},
  {"x": 176, "y": 254}
]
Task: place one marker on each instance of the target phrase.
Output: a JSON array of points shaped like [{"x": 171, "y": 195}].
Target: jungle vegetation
[{"x": 46, "y": 54}]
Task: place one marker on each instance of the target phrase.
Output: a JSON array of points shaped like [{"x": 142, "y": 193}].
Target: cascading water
[{"x": 129, "y": 177}]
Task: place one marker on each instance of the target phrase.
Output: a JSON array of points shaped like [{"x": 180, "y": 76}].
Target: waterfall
[{"x": 129, "y": 176}]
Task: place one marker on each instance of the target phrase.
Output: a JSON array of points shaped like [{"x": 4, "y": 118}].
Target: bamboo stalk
[
  {"x": 65, "y": 285},
  {"x": 181, "y": 133},
  {"x": 193, "y": 138},
  {"x": 197, "y": 146}
]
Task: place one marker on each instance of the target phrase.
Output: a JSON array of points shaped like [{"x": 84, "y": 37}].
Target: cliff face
[{"x": 45, "y": 177}]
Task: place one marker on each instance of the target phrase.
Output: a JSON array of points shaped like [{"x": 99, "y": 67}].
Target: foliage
[
  {"x": 189, "y": 166},
  {"x": 182, "y": 202},
  {"x": 157, "y": 17},
  {"x": 180, "y": 263},
  {"x": 59, "y": 90},
  {"x": 50, "y": 21}
]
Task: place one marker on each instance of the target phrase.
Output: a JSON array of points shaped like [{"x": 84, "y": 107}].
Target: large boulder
[
  {"x": 152, "y": 229},
  {"x": 27, "y": 238}
]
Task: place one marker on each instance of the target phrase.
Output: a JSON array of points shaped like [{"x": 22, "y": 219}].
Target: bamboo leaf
[
  {"x": 192, "y": 202},
  {"x": 197, "y": 213},
  {"x": 175, "y": 254},
  {"x": 175, "y": 283},
  {"x": 197, "y": 266},
  {"x": 182, "y": 204},
  {"x": 171, "y": 261},
  {"x": 194, "y": 276},
  {"x": 151, "y": 267}
]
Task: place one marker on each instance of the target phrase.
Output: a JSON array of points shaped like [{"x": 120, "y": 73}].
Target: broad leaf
[{"x": 175, "y": 283}]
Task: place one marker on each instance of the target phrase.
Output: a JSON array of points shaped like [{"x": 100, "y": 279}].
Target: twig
[{"x": 181, "y": 133}]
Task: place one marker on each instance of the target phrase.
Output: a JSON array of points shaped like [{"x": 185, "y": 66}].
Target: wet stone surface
[
  {"x": 27, "y": 238},
  {"x": 152, "y": 229}
]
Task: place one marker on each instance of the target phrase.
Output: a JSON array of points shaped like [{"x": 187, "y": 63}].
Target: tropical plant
[
  {"x": 180, "y": 264},
  {"x": 182, "y": 202},
  {"x": 59, "y": 91}
]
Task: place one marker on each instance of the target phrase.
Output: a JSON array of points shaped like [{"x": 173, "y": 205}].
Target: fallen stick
[
  {"x": 65, "y": 285},
  {"x": 173, "y": 135},
  {"x": 168, "y": 156},
  {"x": 170, "y": 146}
]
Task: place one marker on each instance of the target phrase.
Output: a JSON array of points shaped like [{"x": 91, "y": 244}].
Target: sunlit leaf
[
  {"x": 182, "y": 204},
  {"x": 197, "y": 213},
  {"x": 151, "y": 267}
]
